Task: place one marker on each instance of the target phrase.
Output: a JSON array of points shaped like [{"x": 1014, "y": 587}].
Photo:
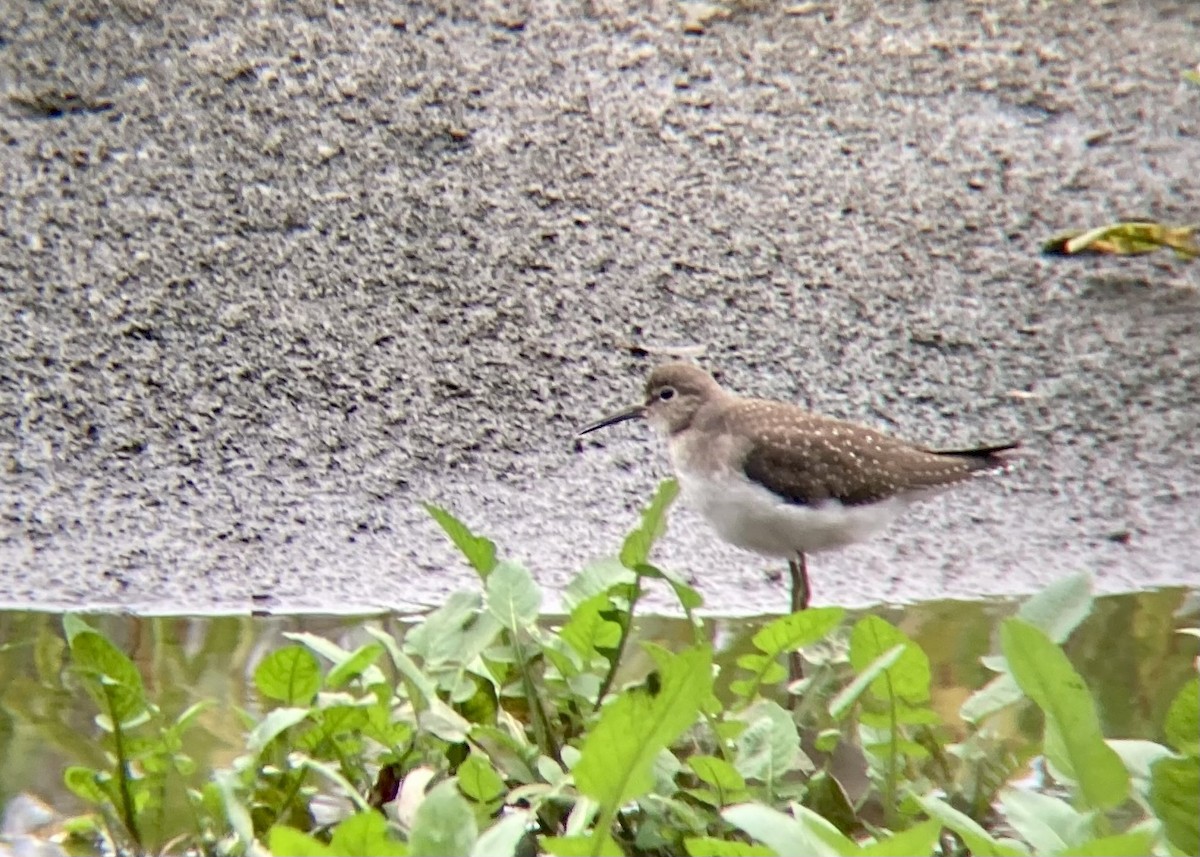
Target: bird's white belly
[{"x": 748, "y": 515}]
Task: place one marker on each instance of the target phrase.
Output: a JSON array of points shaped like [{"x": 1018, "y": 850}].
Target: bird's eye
[{"x": 666, "y": 394}]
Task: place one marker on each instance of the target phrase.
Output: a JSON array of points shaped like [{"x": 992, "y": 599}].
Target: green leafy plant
[
  {"x": 144, "y": 758},
  {"x": 490, "y": 728}
]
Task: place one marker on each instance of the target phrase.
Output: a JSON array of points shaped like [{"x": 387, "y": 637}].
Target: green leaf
[
  {"x": 587, "y": 630},
  {"x": 1047, "y": 823},
  {"x": 407, "y": 667},
  {"x": 721, "y": 775},
  {"x": 366, "y": 835},
  {"x": 688, "y": 597},
  {"x": 478, "y": 780},
  {"x": 708, "y": 846},
  {"x": 979, "y": 842},
  {"x": 916, "y": 840},
  {"x": 479, "y": 552},
  {"x": 792, "y": 632},
  {"x": 290, "y": 675},
  {"x": 289, "y": 842},
  {"x": 807, "y": 833},
  {"x": 999, "y": 693},
  {"x": 455, "y": 633},
  {"x": 1074, "y": 744},
  {"x": 109, "y": 675},
  {"x": 1135, "y": 842},
  {"x": 331, "y": 772},
  {"x": 908, "y": 678},
  {"x": 504, "y": 837},
  {"x": 597, "y": 578},
  {"x": 1182, "y": 723},
  {"x": 1060, "y": 607},
  {"x": 1174, "y": 796},
  {"x": 617, "y": 758},
  {"x": 1139, "y": 757},
  {"x": 580, "y": 846},
  {"x": 512, "y": 596},
  {"x": 355, "y": 665},
  {"x": 276, "y": 722},
  {"x": 444, "y": 825},
  {"x": 636, "y": 549},
  {"x": 769, "y": 746},
  {"x": 849, "y": 695},
  {"x": 236, "y": 812},
  {"x": 83, "y": 783}
]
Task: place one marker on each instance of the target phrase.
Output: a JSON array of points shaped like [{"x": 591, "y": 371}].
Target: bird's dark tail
[{"x": 984, "y": 457}]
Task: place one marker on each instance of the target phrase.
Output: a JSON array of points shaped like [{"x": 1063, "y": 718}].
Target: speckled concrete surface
[{"x": 282, "y": 271}]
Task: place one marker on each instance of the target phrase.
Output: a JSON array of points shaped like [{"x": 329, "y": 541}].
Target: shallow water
[{"x": 1126, "y": 649}]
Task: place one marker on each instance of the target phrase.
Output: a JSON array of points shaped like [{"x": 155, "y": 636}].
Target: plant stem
[
  {"x": 626, "y": 628},
  {"x": 541, "y": 723},
  {"x": 893, "y": 753},
  {"x": 128, "y": 815}
]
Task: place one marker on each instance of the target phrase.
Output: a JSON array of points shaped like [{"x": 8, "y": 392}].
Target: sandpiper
[{"x": 776, "y": 479}]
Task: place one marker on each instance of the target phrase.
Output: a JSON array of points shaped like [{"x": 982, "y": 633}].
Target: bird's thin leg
[
  {"x": 799, "y": 571},
  {"x": 798, "y": 568}
]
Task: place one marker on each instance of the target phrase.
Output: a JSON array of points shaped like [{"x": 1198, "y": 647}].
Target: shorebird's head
[{"x": 674, "y": 393}]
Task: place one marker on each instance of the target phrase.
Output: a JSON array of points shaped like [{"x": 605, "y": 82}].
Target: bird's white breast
[{"x": 751, "y": 517}]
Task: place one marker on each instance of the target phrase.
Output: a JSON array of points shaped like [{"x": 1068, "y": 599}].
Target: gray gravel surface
[{"x": 272, "y": 274}]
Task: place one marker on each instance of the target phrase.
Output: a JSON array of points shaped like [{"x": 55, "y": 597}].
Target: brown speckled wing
[{"x": 832, "y": 459}]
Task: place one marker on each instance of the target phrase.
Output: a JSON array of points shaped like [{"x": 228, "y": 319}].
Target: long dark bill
[{"x": 631, "y": 413}]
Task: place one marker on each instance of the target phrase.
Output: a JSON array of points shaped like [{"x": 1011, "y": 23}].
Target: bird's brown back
[{"x": 808, "y": 458}]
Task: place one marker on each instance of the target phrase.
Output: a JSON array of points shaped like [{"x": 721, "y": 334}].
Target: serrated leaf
[
  {"x": 444, "y": 825},
  {"x": 794, "y": 631},
  {"x": 1074, "y": 743},
  {"x": 769, "y": 747},
  {"x": 719, "y": 774},
  {"x": 512, "y": 596},
  {"x": 587, "y": 631},
  {"x": 478, "y": 551},
  {"x": 478, "y": 780},
  {"x": 636, "y": 549},
  {"x": 366, "y": 834},
  {"x": 618, "y": 755},
  {"x": 1174, "y": 795},
  {"x": 1181, "y": 726},
  {"x": 908, "y": 678},
  {"x": 596, "y": 578},
  {"x": 455, "y": 633},
  {"x": 290, "y": 675}
]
